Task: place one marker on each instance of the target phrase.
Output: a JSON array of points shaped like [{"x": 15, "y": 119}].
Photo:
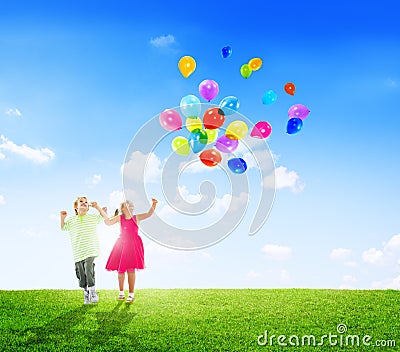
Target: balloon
[
  {"x": 290, "y": 88},
  {"x": 229, "y": 105},
  {"x": 210, "y": 157},
  {"x": 255, "y": 63},
  {"x": 197, "y": 140},
  {"x": 237, "y": 165},
  {"x": 226, "y": 145},
  {"x": 237, "y": 130},
  {"x": 298, "y": 110},
  {"x": 269, "y": 97},
  {"x": 262, "y": 129},
  {"x": 212, "y": 135},
  {"x": 186, "y": 65},
  {"x": 294, "y": 125},
  {"x": 208, "y": 89},
  {"x": 245, "y": 71},
  {"x": 171, "y": 120},
  {"x": 213, "y": 118},
  {"x": 190, "y": 106},
  {"x": 226, "y": 51},
  {"x": 180, "y": 145},
  {"x": 193, "y": 123}
]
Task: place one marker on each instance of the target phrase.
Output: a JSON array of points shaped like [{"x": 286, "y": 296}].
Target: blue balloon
[
  {"x": 197, "y": 140},
  {"x": 229, "y": 105},
  {"x": 237, "y": 165},
  {"x": 190, "y": 106},
  {"x": 269, "y": 97},
  {"x": 226, "y": 51},
  {"x": 294, "y": 125}
]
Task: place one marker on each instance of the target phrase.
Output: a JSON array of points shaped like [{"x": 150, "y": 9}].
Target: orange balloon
[
  {"x": 186, "y": 65},
  {"x": 255, "y": 63},
  {"x": 290, "y": 88}
]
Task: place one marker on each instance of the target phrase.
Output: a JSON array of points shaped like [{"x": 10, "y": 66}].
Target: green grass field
[{"x": 202, "y": 320}]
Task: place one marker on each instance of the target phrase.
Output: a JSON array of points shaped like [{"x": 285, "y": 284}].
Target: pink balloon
[
  {"x": 298, "y": 110},
  {"x": 171, "y": 120},
  {"x": 208, "y": 89},
  {"x": 262, "y": 129},
  {"x": 226, "y": 145}
]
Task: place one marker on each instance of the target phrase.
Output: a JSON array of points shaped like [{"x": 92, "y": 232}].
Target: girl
[{"x": 127, "y": 254}]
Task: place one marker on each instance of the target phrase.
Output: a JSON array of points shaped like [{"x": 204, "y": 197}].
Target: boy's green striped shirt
[{"x": 83, "y": 234}]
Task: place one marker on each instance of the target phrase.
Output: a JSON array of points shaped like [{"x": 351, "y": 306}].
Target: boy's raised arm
[{"x": 63, "y": 215}]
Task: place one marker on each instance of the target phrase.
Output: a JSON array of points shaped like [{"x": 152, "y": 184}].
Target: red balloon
[
  {"x": 213, "y": 118},
  {"x": 210, "y": 157},
  {"x": 290, "y": 88}
]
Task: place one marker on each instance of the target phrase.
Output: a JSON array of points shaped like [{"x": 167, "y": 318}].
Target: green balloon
[
  {"x": 246, "y": 71},
  {"x": 180, "y": 145}
]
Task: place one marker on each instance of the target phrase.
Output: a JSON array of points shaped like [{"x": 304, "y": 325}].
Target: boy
[{"x": 85, "y": 243}]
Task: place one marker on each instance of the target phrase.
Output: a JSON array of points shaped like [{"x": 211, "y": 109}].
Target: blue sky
[{"x": 78, "y": 81}]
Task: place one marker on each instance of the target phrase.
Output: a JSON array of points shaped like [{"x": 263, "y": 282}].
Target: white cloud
[
  {"x": 284, "y": 179},
  {"x": 2, "y": 200},
  {"x": 40, "y": 156},
  {"x": 162, "y": 41},
  {"x": 389, "y": 254},
  {"x": 150, "y": 163},
  {"x": 2, "y": 156},
  {"x": 340, "y": 254},
  {"x": 185, "y": 194},
  {"x": 373, "y": 256},
  {"x": 277, "y": 252},
  {"x": 13, "y": 112},
  {"x": 94, "y": 180},
  {"x": 391, "y": 283},
  {"x": 116, "y": 198}
]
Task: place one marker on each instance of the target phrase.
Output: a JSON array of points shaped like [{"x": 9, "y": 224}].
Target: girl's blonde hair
[{"x": 119, "y": 210}]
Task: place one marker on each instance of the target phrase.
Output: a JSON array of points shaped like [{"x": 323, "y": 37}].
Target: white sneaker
[
  {"x": 86, "y": 298},
  {"x": 94, "y": 297}
]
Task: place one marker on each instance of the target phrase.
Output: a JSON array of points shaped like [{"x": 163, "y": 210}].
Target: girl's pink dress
[{"x": 128, "y": 252}]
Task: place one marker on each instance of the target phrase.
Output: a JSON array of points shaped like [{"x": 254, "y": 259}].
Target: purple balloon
[
  {"x": 226, "y": 145},
  {"x": 298, "y": 110},
  {"x": 208, "y": 89}
]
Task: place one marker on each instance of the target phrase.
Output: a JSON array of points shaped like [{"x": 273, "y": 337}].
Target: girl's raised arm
[{"x": 149, "y": 213}]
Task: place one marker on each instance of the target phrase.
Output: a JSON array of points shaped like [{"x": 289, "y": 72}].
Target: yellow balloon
[
  {"x": 255, "y": 63},
  {"x": 212, "y": 135},
  {"x": 186, "y": 65},
  {"x": 180, "y": 145},
  {"x": 193, "y": 123},
  {"x": 237, "y": 130}
]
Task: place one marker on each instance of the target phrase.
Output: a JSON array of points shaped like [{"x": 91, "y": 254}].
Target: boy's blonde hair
[{"x": 76, "y": 203}]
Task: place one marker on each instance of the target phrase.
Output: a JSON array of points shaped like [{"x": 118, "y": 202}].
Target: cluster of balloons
[
  {"x": 253, "y": 65},
  {"x": 204, "y": 132}
]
